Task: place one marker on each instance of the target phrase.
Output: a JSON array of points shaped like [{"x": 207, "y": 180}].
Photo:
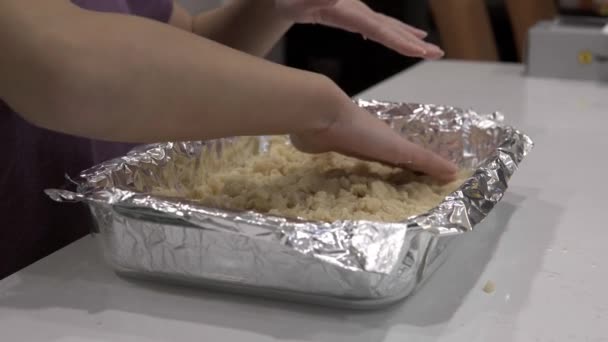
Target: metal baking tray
[{"x": 352, "y": 264}]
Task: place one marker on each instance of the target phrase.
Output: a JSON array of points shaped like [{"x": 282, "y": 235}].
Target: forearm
[
  {"x": 252, "y": 26},
  {"x": 154, "y": 83}
]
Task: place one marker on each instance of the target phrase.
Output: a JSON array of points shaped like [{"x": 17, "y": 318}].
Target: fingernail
[
  {"x": 433, "y": 48},
  {"x": 440, "y": 52},
  {"x": 434, "y": 51}
]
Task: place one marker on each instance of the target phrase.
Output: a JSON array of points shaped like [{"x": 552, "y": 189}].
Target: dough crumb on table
[
  {"x": 489, "y": 287},
  {"x": 323, "y": 187}
]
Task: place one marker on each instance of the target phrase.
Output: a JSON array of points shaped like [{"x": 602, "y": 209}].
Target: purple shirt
[{"x": 33, "y": 159}]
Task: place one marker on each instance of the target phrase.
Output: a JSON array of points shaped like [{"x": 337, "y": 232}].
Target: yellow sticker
[{"x": 585, "y": 57}]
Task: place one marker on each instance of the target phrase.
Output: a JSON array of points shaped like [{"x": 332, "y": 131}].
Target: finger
[
  {"x": 408, "y": 155},
  {"x": 404, "y": 43},
  {"x": 432, "y": 50},
  {"x": 361, "y": 19},
  {"x": 367, "y": 137},
  {"x": 394, "y": 34},
  {"x": 414, "y": 30},
  {"x": 420, "y": 159},
  {"x": 444, "y": 178},
  {"x": 385, "y": 32},
  {"x": 418, "y": 33}
]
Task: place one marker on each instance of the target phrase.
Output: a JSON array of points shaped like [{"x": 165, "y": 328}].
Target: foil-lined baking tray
[{"x": 357, "y": 264}]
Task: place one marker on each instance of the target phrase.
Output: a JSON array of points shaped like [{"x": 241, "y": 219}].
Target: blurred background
[{"x": 481, "y": 30}]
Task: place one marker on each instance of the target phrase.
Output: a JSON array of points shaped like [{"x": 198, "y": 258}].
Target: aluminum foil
[{"x": 345, "y": 263}]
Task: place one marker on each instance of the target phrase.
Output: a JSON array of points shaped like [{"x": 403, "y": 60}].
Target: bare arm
[{"x": 123, "y": 78}]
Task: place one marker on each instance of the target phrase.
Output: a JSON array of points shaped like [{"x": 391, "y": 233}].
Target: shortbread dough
[{"x": 325, "y": 187}]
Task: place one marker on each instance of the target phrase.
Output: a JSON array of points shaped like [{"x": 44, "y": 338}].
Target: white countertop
[{"x": 545, "y": 246}]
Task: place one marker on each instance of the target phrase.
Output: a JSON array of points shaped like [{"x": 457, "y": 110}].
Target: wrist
[{"x": 331, "y": 102}]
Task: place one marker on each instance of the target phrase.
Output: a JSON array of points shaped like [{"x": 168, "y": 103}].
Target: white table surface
[{"x": 545, "y": 246}]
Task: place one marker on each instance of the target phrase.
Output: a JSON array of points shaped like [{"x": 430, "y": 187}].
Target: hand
[
  {"x": 355, "y": 16},
  {"x": 354, "y": 132}
]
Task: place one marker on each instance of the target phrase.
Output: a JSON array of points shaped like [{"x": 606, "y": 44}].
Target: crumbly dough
[
  {"x": 489, "y": 287},
  {"x": 324, "y": 187}
]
